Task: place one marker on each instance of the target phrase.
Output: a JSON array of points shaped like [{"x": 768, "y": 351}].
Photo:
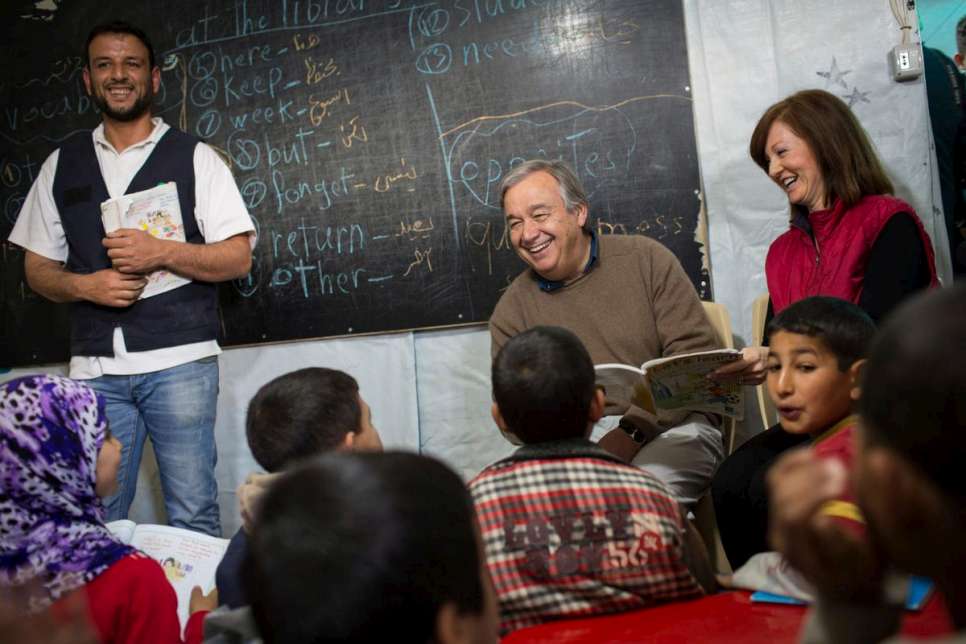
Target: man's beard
[{"x": 141, "y": 105}]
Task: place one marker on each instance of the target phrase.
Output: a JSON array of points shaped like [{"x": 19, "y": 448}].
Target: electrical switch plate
[{"x": 905, "y": 62}]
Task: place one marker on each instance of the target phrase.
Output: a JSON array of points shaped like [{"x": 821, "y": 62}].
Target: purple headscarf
[{"x": 51, "y": 521}]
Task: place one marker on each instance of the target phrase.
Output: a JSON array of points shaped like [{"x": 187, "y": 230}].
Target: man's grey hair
[
  {"x": 571, "y": 191},
  {"x": 961, "y": 36}
]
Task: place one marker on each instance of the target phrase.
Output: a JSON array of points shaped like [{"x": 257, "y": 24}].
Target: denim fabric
[{"x": 175, "y": 408}]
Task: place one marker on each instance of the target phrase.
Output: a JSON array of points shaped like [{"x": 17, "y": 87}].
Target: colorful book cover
[
  {"x": 156, "y": 211},
  {"x": 677, "y": 382},
  {"x": 681, "y": 382}
]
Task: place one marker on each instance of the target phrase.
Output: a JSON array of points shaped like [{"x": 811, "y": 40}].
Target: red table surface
[{"x": 724, "y": 617}]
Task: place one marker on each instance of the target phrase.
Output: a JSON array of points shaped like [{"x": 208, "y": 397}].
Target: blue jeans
[{"x": 176, "y": 408}]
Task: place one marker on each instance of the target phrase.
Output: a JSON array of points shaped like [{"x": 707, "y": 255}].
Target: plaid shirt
[{"x": 571, "y": 531}]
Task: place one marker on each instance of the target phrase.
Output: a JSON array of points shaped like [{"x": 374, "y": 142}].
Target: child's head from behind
[
  {"x": 816, "y": 350},
  {"x": 306, "y": 412},
  {"x": 909, "y": 473},
  {"x": 369, "y": 547},
  {"x": 543, "y": 386},
  {"x": 54, "y": 428}
]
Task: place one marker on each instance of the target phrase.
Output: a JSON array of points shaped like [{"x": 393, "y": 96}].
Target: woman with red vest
[{"x": 848, "y": 237}]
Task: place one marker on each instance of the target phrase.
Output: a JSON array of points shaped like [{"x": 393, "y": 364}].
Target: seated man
[
  {"x": 908, "y": 479},
  {"x": 292, "y": 418},
  {"x": 628, "y": 300},
  {"x": 818, "y": 349},
  {"x": 356, "y": 547},
  {"x": 570, "y": 529}
]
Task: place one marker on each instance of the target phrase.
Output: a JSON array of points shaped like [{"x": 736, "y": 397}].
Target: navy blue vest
[{"x": 181, "y": 316}]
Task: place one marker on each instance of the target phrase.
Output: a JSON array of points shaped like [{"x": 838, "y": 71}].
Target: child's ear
[
  {"x": 597, "y": 404},
  {"x": 497, "y": 416},
  {"x": 855, "y": 378},
  {"x": 502, "y": 424},
  {"x": 452, "y": 627},
  {"x": 348, "y": 441}
]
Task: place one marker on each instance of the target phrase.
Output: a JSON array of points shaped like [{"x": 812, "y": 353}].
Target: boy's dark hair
[
  {"x": 845, "y": 329},
  {"x": 302, "y": 414},
  {"x": 914, "y": 387},
  {"x": 543, "y": 383},
  {"x": 362, "y": 547},
  {"x": 118, "y": 27}
]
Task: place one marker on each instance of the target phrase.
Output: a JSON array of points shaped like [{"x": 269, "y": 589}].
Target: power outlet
[{"x": 905, "y": 62}]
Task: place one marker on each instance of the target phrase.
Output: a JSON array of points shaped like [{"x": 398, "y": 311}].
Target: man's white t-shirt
[{"x": 219, "y": 211}]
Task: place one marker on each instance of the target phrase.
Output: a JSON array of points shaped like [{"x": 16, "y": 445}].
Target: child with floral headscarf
[{"x": 56, "y": 458}]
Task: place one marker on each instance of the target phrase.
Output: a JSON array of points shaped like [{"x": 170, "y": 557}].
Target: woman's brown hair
[{"x": 845, "y": 156}]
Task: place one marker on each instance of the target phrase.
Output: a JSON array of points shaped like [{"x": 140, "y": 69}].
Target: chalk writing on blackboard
[{"x": 368, "y": 140}]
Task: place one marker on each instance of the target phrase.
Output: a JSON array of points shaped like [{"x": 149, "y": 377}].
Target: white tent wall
[
  {"x": 453, "y": 382},
  {"x": 430, "y": 390}
]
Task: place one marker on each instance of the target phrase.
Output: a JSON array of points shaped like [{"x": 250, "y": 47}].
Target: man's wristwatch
[{"x": 632, "y": 431}]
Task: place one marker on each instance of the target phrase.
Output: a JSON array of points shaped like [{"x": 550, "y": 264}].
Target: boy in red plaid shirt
[{"x": 570, "y": 530}]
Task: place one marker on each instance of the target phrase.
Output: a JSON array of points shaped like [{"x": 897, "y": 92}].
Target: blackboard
[{"x": 368, "y": 139}]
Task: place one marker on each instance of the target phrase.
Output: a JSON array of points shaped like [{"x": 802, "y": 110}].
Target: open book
[
  {"x": 678, "y": 382},
  {"x": 156, "y": 211},
  {"x": 188, "y": 558}
]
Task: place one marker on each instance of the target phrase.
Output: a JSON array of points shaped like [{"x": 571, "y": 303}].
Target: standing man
[
  {"x": 154, "y": 360},
  {"x": 628, "y": 300}
]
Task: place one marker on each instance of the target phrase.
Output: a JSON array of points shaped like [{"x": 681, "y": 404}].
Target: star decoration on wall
[
  {"x": 835, "y": 75},
  {"x": 857, "y": 97}
]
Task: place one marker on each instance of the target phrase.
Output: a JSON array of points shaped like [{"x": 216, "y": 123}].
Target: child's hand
[
  {"x": 837, "y": 562},
  {"x": 200, "y": 601},
  {"x": 747, "y": 370},
  {"x": 249, "y": 494},
  {"x": 724, "y": 581}
]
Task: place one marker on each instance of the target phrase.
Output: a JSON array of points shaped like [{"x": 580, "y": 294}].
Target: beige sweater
[{"x": 636, "y": 304}]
